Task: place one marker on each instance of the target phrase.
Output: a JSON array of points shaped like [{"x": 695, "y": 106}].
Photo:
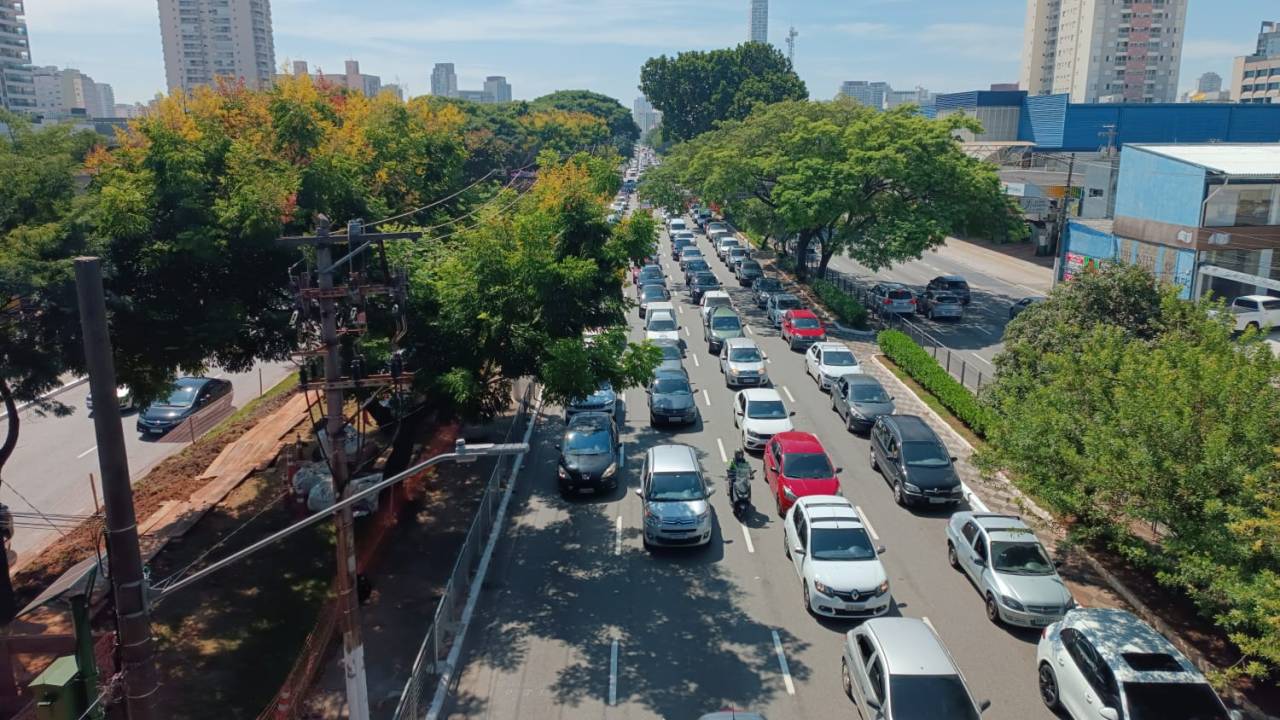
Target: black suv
[
  {"x": 950, "y": 285},
  {"x": 913, "y": 460}
]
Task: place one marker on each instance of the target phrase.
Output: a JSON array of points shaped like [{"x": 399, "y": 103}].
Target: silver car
[
  {"x": 860, "y": 400},
  {"x": 675, "y": 494},
  {"x": 778, "y": 305},
  {"x": 1010, "y": 568},
  {"x": 897, "y": 667},
  {"x": 742, "y": 362},
  {"x": 892, "y": 298},
  {"x": 943, "y": 305}
]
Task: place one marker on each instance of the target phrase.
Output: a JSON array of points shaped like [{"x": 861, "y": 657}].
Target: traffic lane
[
  {"x": 55, "y": 456},
  {"x": 923, "y": 583}
]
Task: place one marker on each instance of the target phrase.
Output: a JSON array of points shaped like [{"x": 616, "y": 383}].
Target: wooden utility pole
[{"x": 133, "y": 616}]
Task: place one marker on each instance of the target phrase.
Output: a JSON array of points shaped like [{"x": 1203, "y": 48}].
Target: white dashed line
[
  {"x": 86, "y": 452},
  {"x": 782, "y": 663},
  {"x": 790, "y": 397},
  {"x": 747, "y": 328},
  {"x": 681, "y": 309},
  {"x": 613, "y": 674},
  {"x": 695, "y": 360},
  {"x": 706, "y": 398},
  {"x": 746, "y": 535},
  {"x": 685, "y": 328},
  {"x": 723, "y": 458},
  {"x": 984, "y": 360},
  {"x": 617, "y": 537},
  {"x": 867, "y": 521}
]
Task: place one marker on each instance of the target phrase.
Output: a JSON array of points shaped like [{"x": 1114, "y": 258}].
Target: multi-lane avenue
[{"x": 578, "y": 620}]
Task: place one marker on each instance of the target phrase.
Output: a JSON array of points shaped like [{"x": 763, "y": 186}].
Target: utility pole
[
  {"x": 133, "y": 616},
  {"x": 327, "y": 295}
]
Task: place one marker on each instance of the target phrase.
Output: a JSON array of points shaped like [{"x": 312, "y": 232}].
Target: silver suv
[
  {"x": 674, "y": 493},
  {"x": 1009, "y": 567},
  {"x": 897, "y": 667}
]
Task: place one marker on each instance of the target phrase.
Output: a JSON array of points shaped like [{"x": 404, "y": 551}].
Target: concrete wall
[{"x": 1152, "y": 187}]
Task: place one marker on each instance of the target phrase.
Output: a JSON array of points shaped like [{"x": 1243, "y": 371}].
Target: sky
[{"x": 546, "y": 45}]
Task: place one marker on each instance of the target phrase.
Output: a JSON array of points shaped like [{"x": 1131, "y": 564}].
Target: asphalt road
[
  {"x": 50, "y": 468},
  {"x": 580, "y": 621}
]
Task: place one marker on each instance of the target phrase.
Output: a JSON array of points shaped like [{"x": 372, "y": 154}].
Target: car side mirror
[
  {"x": 983, "y": 705},
  {"x": 979, "y": 562},
  {"x": 954, "y": 458},
  {"x": 711, "y": 490},
  {"x": 880, "y": 549},
  {"x": 1108, "y": 713},
  {"x": 557, "y": 446},
  {"x": 797, "y": 550},
  {"x": 647, "y": 391},
  {"x": 793, "y": 414},
  {"x": 839, "y": 470},
  {"x": 639, "y": 493}
]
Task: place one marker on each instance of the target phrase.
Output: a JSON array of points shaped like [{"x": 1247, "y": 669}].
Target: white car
[
  {"x": 742, "y": 363},
  {"x": 711, "y": 300},
  {"x": 1256, "y": 312},
  {"x": 676, "y": 224},
  {"x": 661, "y": 325},
  {"x": 725, "y": 244},
  {"x": 683, "y": 234},
  {"x": 760, "y": 414},
  {"x": 827, "y": 362},
  {"x": 1105, "y": 664},
  {"x": 838, "y": 564}
]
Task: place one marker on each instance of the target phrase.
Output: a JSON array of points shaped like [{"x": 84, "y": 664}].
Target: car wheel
[
  {"x": 807, "y": 606},
  {"x": 1048, "y": 687},
  {"x": 1252, "y": 326},
  {"x": 848, "y": 424},
  {"x": 653, "y": 421},
  {"x": 786, "y": 547},
  {"x": 875, "y": 464},
  {"x": 898, "y": 496},
  {"x": 993, "y": 610},
  {"x": 565, "y": 492},
  {"x": 846, "y": 680},
  {"x": 952, "y": 560},
  {"x": 647, "y": 546},
  {"x": 777, "y": 503}
]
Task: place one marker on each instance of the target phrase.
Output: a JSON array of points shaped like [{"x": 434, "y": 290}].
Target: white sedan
[
  {"x": 834, "y": 556},
  {"x": 827, "y": 362},
  {"x": 661, "y": 325},
  {"x": 761, "y": 415}
]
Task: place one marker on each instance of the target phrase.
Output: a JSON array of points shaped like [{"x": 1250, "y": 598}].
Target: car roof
[
  {"x": 595, "y": 420},
  {"x": 760, "y": 394},
  {"x": 1255, "y": 297},
  {"x": 192, "y": 382},
  {"x": 828, "y": 345},
  {"x": 910, "y": 647},
  {"x": 951, "y": 278},
  {"x": 1008, "y": 528},
  {"x": 830, "y": 508},
  {"x": 715, "y": 294},
  {"x": 802, "y": 313},
  {"x": 673, "y": 458},
  {"x": 741, "y": 342},
  {"x": 796, "y": 441},
  {"x": 1118, "y": 632},
  {"x": 912, "y": 427},
  {"x": 659, "y": 313}
]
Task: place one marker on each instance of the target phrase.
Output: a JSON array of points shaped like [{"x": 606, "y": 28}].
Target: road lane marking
[
  {"x": 695, "y": 360},
  {"x": 747, "y": 328},
  {"x": 86, "y": 452},
  {"x": 681, "y": 309},
  {"x": 617, "y": 537},
  {"x": 867, "y": 521},
  {"x": 746, "y": 535},
  {"x": 685, "y": 328},
  {"x": 706, "y": 398},
  {"x": 723, "y": 458},
  {"x": 790, "y": 397},
  {"x": 988, "y": 362},
  {"x": 782, "y": 663},
  {"x": 613, "y": 673}
]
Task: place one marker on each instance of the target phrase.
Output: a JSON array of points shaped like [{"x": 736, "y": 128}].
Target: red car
[
  {"x": 795, "y": 465},
  {"x": 802, "y": 328}
]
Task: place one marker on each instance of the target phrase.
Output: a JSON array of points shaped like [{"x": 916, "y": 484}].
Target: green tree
[
  {"x": 623, "y": 130},
  {"x": 695, "y": 90}
]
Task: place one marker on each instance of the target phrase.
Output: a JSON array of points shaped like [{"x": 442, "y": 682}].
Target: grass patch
[{"x": 935, "y": 404}]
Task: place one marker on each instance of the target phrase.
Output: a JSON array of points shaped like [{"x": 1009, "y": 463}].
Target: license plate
[
  {"x": 1040, "y": 622},
  {"x": 155, "y": 431},
  {"x": 939, "y": 501}
]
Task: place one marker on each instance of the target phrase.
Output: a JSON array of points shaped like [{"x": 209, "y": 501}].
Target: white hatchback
[
  {"x": 661, "y": 325},
  {"x": 838, "y": 564},
  {"x": 827, "y": 362},
  {"x": 760, "y": 414}
]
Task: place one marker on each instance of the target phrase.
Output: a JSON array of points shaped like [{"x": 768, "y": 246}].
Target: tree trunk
[
  {"x": 802, "y": 250},
  {"x": 825, "y": 260}
]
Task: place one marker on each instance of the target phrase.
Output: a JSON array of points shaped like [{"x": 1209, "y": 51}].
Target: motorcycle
[{"x": 740, "y": 493}]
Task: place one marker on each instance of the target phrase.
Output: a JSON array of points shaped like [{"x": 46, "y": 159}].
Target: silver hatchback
[
  {"x": 675, "y": 493},
  {"x": 897, "y": 667}
]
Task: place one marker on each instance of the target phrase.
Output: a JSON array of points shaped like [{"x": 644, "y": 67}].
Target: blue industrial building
[{"x": 1051, "y": 123}]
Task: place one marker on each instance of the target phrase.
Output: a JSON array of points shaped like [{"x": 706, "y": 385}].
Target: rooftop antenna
[{"x": 791, "y": 44}]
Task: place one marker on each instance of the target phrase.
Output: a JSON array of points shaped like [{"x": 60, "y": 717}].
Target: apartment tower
[
  {"x": 17, "y": 84},
  {"x": 1255, "y": 78},
  {"x": 1104, "y": 50},
  {"x": 207, "y": 39},
  {"x": 759, "y": 24},
  {"x": 444, "y": 81},
  {"x": 497, "y": 89}
]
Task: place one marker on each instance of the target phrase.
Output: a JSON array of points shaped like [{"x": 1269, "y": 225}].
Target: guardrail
[{"x": 443, "y": 633}]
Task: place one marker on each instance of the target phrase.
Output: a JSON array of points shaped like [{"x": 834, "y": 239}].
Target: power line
[{"x": 430, "y": 205}]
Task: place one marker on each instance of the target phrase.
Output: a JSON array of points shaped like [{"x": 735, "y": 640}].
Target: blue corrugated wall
[
  {"x": 1152, "y": 187},
  {"x": 1052, "y": 123}
]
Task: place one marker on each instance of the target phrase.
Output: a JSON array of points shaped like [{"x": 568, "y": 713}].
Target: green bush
[
  {"x": 916, "y": 362},
  {"x": 848, "y": 310},
  {"x": 786, "y": 263}
]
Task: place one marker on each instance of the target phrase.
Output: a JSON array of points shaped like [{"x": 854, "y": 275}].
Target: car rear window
[
  {"x": 928, "y": 697},
  {"x": 1148, "y": 662},
  {"x": 1173, "y": 701},
  {"x": 956, "y": 285},
  {"x": 900, "y": 294}
]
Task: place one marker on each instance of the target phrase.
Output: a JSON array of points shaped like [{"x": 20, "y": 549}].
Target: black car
[
  {"x": 650, "y": 274},
  {"x": 671, "y": 399},
  {"x": 914, "y": 462},
  {"x": 1016, "y": 309},
  {"x": 763, "y": 287},
  {"x": 748, "y": 271},
  {"x": 701, "y": 284},
  {"x": 588, "y": 454},
  {"x": 650, "y": 293},
  {"x": 694, "y": 267},
  {"x": 952, "y": 285},
  {"x": 189, "y": 396}
]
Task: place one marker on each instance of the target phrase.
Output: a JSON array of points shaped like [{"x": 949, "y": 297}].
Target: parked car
[
  {"x": 1009, "y": 567},
  {"x": 661, "y": 325},
  {"x": 747, "y": 272},
  {"x": 1016, "y": 309},
  {"x": 1255, "y": 312},
  {"x": 674, "y": 494},
  {"x": 710, "y": 301},
  {"x": 588, "y": 454},
  {"x": 893, "y": 298},
  {"x": 939, "y": 304},
  {"x": 777, "y": 306},
  {"x": 796, "y": 465},
  {"x": 839, "y": 566},
  {"x": 715, "y": 225},
  {"x": 760, "y": 414},
  {"x": 1105, "y": 663},
  {"x": 860, "y": 400},
  {"x": 671, "y": 399},
  {"x": 763, "y": 287},
  {"x": 801, "y": 328},
  {"x": 827, "y": 362},
  {"x": 604, "y": 400},
  {"x": 914, "y": 462},
  {"x": 722, "y": 324},
  {"x": 702, "y": 283},
  {"x": 188, "y": 396},
  {"x": 124, "y": 399},
  {"x": 742, "y": 363},
  {"x": 897, "y": 668},
  {"x": 650, "y": 294},
  {"x": 695, "y": 266},
  {"x": 951, "y": 285},
  {"x": 672, "y": 355}
]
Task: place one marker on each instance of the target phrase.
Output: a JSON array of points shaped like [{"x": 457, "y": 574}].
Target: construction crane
[{"x": 791, "y": 44}]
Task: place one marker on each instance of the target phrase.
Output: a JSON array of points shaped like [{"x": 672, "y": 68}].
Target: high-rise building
[
  {"x": 497, "y": 89},
  {"x": 444, "y": 81},
  {"x": 646, "y": 117},
  {"x": 17, "y": 84},
  {"x": 207, "y": 39},
  {"x": 871, "y": 94},
  {"x": 919, "y": 96},
  {"x": 1210, "y": 82},
  {"x": 351, "y": 78},
  {"x": 479, "y": 96},
  {"x": 1256, "y": 78},
  {"x": 759, "y": 24},
  {"x": 395, "y": 89},
  {"x": 1098, "y": 51},
  {"x": 60, "y": 92}
]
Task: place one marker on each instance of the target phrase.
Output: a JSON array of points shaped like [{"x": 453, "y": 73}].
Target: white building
[
  {"x": 444, "y": 81},
  {"x": 497, "y": 89},
  {"x": 759, "y": 21},
  {"x": 206, "y": 39},
  {"x": 17, "y": 86},
  {"x": 1100, "y": 51},
  {"x": 1256, "y": 78},
  {"x": 871, "y": 94},
  {"x": 59, "y": 92},
  {"x": 645, "y": 115}
]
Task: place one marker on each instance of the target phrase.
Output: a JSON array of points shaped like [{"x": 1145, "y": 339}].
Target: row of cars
[{"x": 1091, "y": 663}]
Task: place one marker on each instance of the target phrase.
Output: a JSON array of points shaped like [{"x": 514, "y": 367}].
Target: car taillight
[
  {"x": 913, "y": 301},
  {"x": 888, "y": 301}
]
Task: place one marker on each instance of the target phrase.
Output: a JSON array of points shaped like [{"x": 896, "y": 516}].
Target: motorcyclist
[{"x": 739, "y": 477}]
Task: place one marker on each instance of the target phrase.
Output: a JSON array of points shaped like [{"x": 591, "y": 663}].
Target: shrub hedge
[
  {"x": 916, "y": 362},
  {"x": 843, "y": 305}
]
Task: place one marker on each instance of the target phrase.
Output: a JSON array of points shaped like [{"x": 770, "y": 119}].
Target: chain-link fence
[{"x": 441, "y": 635}]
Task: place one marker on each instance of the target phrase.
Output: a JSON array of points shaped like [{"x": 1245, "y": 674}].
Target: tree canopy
[
  {"x": 623, "y": 130},
  {"x": 695, "y": 90}
]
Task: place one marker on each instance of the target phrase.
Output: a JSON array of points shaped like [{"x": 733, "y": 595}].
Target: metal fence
[
  {"x": 441, "y": 635},
  {"x": 959, "y": 365}
]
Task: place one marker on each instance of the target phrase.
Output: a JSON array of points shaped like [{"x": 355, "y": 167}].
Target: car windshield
[
  {"x": 1020, "y": 558},
  {"x": 676, "y": 486},
  {"x": 662, "y": 324},
  {"x": 768, "y": 284},
  {"x": 672, "y": 386},
  {"x": 717, "y": 301},
  {"x": 745, "y": 355},
  {"x": 840, "y": 544},
  {"x": 1173, "y": 701},
  {"x": 786, "y": 302},
  {"x": 807, "y": 466},
  {"x": 651, "y": 273},
  {"x": 956, "y": 285},
  {"x": 705, "y": 279},
  {"x": 587, "y": 440},
  {"x": 839, "y": 358},
  {"x": 766, "y": 410},
  {"x": 1240, "y": 307},
  {"x": 925, "y": 454},
  {"x": 691, "y": 253},
  {"x": 670, "y": 352},
  {"x": 805, "y": 323},
  {"x": 750, "y": 266},
  {"x": 654, "y": 292},
  {"x": 179, "y": 396},
  {"x": 928, "y": 697},
  {"x": 697, "y": 265},
  {"x": 869, "y": 394},
  {"x": 726, "y": 322}
]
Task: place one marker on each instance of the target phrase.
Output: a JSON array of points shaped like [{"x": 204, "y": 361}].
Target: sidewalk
[{"x": 1015, "y": 263}]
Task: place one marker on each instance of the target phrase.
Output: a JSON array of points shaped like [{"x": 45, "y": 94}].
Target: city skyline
[{"x": 539, "y": 48}]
